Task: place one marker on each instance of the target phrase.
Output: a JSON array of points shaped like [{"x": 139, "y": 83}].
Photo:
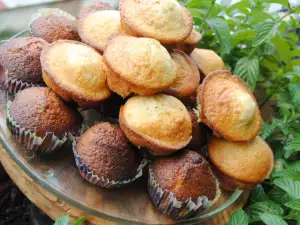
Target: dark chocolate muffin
[
  {"x": 53, "y": 27},
  {"x": 104, "y": 156},
  {"x": 185, "y": 177},
  {"x": 96, "y": 6}
]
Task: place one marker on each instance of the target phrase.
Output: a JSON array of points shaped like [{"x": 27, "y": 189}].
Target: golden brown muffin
[
  {"x": 96, "y": 6},
  {"x": 105, "y": 151},
  {"x": 160, "y": 123},
  {"x": 228, "y": 107},
  {"x": 40, "y": 110},
  {"x": 245, "y": 163},
  {"x": 188, "y": 77},
  {"x": 164, "y": 20},
  {"x": 95, "y": 27},
  {"x": 53, "y": 27},
  {"x": 187, "y": 175},
  {"x": 75, "y": 72},
  {"x": 207, "y": 60},
  {"x": 188, "y": 45},
  {"x": 137, "y": 65},
  {"x": 199, "y": 133}
]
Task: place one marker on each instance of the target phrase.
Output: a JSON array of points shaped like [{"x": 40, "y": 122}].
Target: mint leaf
[
  {"x": 62, "y": 221},
  {"x": 198, "y": 4},
  {"x": 291, "y": 147},
  {"x": 258, "y": 194},
  {"x": 267, "y": 129},
  {"x": 293, "y": 215},
  {"x": 248, "y": 70},
  {"x": 290, "y": 186},
  {"x": 221, "y": 30},
  {"x": 285, "y": 3},
  {"x": 294, "y": 204},
  {"x": 264, "y": 32},
  {"x": 295, "y": 53},
  {"x": 241, "y": 6},
  {"x": 243, "y": 36},
  {"x": 295, "y": 93},
  {"x": 271, "y": 219},
  {"x": 238, "y": 217},
  {"x": 261, "y": 207},
  {"x": 283, "y": 49},
  {"x": 278, "y": 195}
]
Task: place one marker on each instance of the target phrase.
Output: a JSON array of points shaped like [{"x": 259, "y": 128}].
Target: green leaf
[
  {"x": 278, "y": 195},
  {"x": 248, "y": 70},
  {"x": 261, "y": 207},
  {"x": 221, "y": 30},
  {"x": 285, "y": 3},
  {"x": 258, "y": 194},
  {"x": 294, "y": 204},
  {"x": 293, "y": 215},
  {"x": 290, "y": 186},
  {"x": 257, "y": 16},
  {"x": 238, "y": 217},
  {"x": 295, "y": 53},
  {"x": 240, "y": 6},
  {"x": 264, "y": 32},
  {"x": 267, "y": 129},
  {"x": 243, "y": 36},
  {"x": 80, "y": 221},
  {"x": 198, "y": 4},
  {"x": 270, "y": 219},
  {"x": 196, "y": 13},
  {"x": 292, "y": 147},
  {"x": 293, "y": 37},
  {"x": 62, "y": 221},
  {"x": 295, "y": 93},
  {"x": 283, "y": 49}
]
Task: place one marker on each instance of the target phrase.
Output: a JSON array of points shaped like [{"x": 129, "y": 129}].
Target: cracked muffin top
[{"x": 96, "y": 6}]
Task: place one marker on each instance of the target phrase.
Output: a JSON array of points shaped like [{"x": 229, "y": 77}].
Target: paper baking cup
[
  {"x": 102, "y": 181},
  {"x": 167, "y": 203},
  {"x": 49, "y": 143},
  {"x": 13, "y": 86}
]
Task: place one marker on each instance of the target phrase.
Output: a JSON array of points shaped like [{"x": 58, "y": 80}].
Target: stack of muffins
[{"x": 140, "y": 63}]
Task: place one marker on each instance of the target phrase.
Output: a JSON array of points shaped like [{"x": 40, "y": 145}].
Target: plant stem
[
  {"x": 207, "y": 14},
  {"x": 265, "y": 101},
  {"x": 289, "y": 13}
]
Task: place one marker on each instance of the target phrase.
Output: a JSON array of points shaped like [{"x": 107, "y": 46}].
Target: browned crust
[
  {"x": 136, "y": 30},
  {"x": 140, "y": 140},
  {"x": 60, "y": 89},
  {"x": 221, "y": 130},
  {"x": 96, "y": 6}
]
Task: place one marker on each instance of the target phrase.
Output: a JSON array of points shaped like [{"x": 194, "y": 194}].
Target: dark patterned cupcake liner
[
  {"x": 13, "y": 86},
  {"x": 49, "y": 143},
  {"x": 167, "y": 203}
]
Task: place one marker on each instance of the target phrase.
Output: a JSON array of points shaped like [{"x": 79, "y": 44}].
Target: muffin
[
  {"x": 75, "y": 71},
  {"x": 228, "y": 107},
  {"x": 182, "y": 185},
  {"x": 105, "y": 158},
  {"x": 96, "y": 6},
  {"x": 160, "y": 123},
  {"x": 188, "y": 77},
  {"x": 39, "y": 120},
  {"x": 21, "y": 58},
  {"x": 95, "y": 27},
  {"x": 188, "y": 45},
  {"x": 52, "y": 25},
  {"x": 207, "y": 60},
  {"x": 137, "y": 65},
  {"x": 240, "y": 164},
  {"x": 164, "y": 20}
]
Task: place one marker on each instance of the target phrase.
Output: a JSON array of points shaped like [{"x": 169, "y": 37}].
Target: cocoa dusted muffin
[
  {"x": 21, "y": 58},
  {"x": 185, "y": 177},
  {"x": 40, "y": 112},
  {"x": 105, "y": 158},
  {"x": 96, "y": 6},
  {"x": 53, "y": 27}
]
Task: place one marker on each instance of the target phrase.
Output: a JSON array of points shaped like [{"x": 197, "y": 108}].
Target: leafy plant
[
  {"x": 263, "y": 49},
  {"x": 65, "y": 220}
]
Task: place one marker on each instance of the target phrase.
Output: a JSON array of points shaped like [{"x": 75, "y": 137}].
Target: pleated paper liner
[{"x": 13, "y": 86}]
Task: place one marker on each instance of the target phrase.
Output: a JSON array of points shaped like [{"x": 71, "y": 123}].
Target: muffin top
[
  {"x": 187, "y": 174},
  {"x": 77, "y": 68},
  {"x": 96, "y": 6},
  {"x": 95, "y": 27},
  {"x": 162, "y": 119},
  {"x": 143, "y": 62},
  {"x": 207, "y": 60},
  {"x": 53, "y": 27},
  {"x": 188, "y": 77},
  {"x": 229, "y": 107},
  {"x": 194, "y": 38},
  {"x": 105, "y": 150},
  {"x": 164, "y": 20},
  {"x": 21, "y": 57},
  {"x": 40, "y": 110},
  {"x": 249, "y": 162}
]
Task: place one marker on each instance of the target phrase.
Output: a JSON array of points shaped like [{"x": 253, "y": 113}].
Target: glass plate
[{"x": 59, "y": 175}]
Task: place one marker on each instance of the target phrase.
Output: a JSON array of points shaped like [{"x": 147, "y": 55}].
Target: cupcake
[
  {"x": 188, "y": 77},
  {"x": 160, "y": 123},
  {"x": 137, "y": 65},
  {"x": 75, "y": 71},
  {"x": 96, "y": 6},
  {"x": 228, "y": 107},
  {"x": 164, "y": 20},
  {"x": 95, "y": 27},
  {"x": 188, "y": 45},
  {"x": 207, "y": 60},
  {"x": 39, "y": 120},
  {"x": 240, "y": 164},
  {"x": 182, "y": 185},
  {"x": 21, "y": 58},
  {"x": 52, "y": 25},
  {"x": 105, "y": 158}
]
